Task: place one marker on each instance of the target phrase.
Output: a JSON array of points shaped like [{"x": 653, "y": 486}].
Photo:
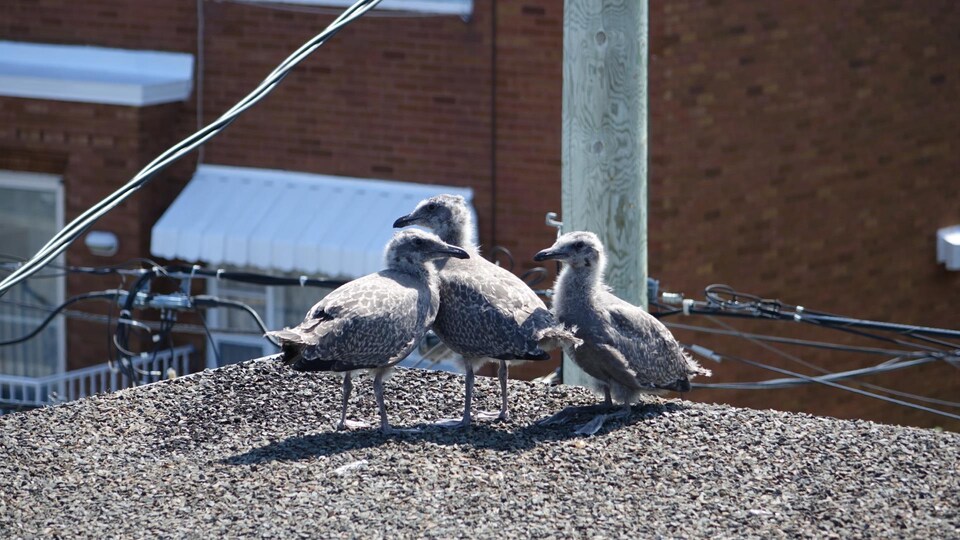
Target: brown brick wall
[
  {"x": 398, "y": 98},
  {"x": 809, "y": 151},
  {"x": 161, "y": 26},
  {"x": 798, "y": 150}
]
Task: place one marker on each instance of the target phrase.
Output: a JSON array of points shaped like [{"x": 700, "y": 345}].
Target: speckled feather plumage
[
  {"x": 486, "y": 311},
  {"x": 374, "y": 321},
  {"x": 624, "y": 347},
  {"x": 371, "y": 322}
]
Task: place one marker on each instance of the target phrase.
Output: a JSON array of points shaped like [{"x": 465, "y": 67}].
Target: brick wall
[
  {"x": 809, "y": 151},
  {"x": 798, "y": 150},
  {"x": 399, "y": 98}
]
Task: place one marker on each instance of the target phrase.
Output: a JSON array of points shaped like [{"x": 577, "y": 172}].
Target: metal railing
[{"x": 27, "y": 392}]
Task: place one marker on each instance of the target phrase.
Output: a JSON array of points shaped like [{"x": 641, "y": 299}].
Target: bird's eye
[
  {"x": 418, "y": 241},
  {"x": 432, "y": 206},
  {"x": 579, "y": 244}
]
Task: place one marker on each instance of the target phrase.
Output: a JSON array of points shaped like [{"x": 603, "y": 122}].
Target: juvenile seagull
[
  {"x": 486, "y": 312},
  {"x": 625, "y": 348},
  {"x": 373, "y": 322}
]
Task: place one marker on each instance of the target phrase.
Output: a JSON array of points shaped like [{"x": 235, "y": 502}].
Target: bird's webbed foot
[
  {"x": 390, "y": 430},
  {"x": 594, "y": 425},
  {"x": 453, "y": 423},
  {"x": 346, "y": 425},
  {"x": 493, "y": 416},
  {"x": 567, "y": 414}
]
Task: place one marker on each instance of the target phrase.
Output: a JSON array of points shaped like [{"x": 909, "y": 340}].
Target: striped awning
[{"x": 288, "y": 221}]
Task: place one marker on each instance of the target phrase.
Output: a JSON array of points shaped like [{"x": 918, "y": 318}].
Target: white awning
[
  {"x": 288, "y": 221},
  {"x": 462, "y": 8},
  {"x": 94, "y": 74}
]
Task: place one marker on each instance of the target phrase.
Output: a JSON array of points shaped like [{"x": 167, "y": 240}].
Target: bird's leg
[
  {"x": 467, "y": 395},
  {"x": 467, "y": 400},
  {"x": 385, "y": 427},
  {"x": 344, "y": 423},
  {"x": 607, "y": 400},
  {"x": 378, "y": 392},
  {"x": 503, "y": 374},
  {"x": 504, "y": 414}
]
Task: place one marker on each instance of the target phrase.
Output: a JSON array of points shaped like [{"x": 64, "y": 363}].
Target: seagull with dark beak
[
  {"x": 486, "y": 312},
  {"x": 373, "y": 322},
  {"x": 627, "y": 350}
]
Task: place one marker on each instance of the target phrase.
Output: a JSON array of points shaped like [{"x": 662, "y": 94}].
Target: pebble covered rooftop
[{"x": 249, "y": 451}]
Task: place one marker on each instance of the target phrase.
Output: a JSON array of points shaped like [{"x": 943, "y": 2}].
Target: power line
[
  {"x": 179, "y": 327},
  {"x": 775, "y": 384},
  {"x": 799, "y": 342},
  {"x": 798, "y": 360},
  {"x": 98, "y": 295},
  {"x": 187, "y": 272},
  {"x": 723, "y": 300},
  {"x": 213, "y": 344},
  {"x": 831, "y": 384},
  {"x": 752, "y": 306},
  {"x": 75, "y": 228},
  {"x": 213, "y": 301},
  {"x": 829, "y": 376}
]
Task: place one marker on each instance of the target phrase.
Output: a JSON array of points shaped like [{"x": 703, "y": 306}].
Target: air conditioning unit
[{"x": 948, "y": 247}]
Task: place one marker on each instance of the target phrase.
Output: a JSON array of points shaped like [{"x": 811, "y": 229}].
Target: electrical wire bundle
[
  {"x": 908, "y": 346},
  {"x": 139, "y": 296}
]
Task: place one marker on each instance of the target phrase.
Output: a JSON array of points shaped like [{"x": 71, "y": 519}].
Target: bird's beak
[
  {"x": 404, "y": 221},
  {"x": 454, "y": 252},
  {"x": 547, "y": 254}
]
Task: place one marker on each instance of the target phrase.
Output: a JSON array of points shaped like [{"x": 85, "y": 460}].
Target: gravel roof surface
[{"x": 248, "y": 450}]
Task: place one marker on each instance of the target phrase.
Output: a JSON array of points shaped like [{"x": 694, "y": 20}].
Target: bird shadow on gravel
[{"x": 498, "y": 437}]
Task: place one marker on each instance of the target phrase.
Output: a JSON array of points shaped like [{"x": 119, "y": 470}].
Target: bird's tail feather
[
  {"x": 558, "y": 336},
  {"x": 694, "y": 367},
  {"x": 291, "y": 344}
]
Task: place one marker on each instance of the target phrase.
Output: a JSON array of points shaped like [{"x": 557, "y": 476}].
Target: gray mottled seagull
[
  {"x": 486, "y": 312},
  {"x": 372, "y": 322},
  {"x": 625, "y": 348}
]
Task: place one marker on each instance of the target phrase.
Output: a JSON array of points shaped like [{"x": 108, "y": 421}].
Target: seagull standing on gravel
[
  {"x": 486, "y": 312},
  {"x": 373, "y": 322},
  {"x": 625, "y": 348}
]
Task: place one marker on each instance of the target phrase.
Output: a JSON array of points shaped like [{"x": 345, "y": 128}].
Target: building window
[
  {"x": 31, "y": 211},
  {"x": 236, "y": 335}
]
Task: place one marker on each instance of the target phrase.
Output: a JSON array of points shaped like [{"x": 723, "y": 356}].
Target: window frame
[
  {"x": 46, "y": 182},
  {"x": 215, "y": 322}
]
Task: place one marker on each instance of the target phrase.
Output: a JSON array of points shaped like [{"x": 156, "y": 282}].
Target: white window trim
[
  {"x": 462, "y": 8},
  {"x": 213, "y": 321},
  {"x": 46, "y": 182},
  {"x": 240, "y": 339}
]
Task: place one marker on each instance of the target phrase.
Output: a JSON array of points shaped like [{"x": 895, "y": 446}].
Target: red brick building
[{"x": 801, "y": 150}]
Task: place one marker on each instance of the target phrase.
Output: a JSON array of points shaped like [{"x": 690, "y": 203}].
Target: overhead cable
[
  {"x": 817, "y": 380},
  {"x": 59, "y": 242}
]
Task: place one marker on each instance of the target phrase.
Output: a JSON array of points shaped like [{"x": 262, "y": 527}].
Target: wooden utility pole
[{"x": 604, "y": 155}]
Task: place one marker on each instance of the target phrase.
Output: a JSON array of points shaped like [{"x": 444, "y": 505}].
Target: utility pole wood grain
[{"x": 604, "y": 154}]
